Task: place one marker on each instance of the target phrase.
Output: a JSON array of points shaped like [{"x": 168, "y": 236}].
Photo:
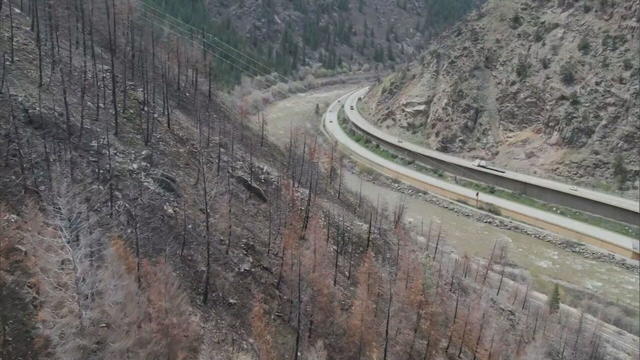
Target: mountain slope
[
  {"x": 141, "y": 218},
  {"x": 335, "y": 34},
  {"x": 543, "y": 87}
]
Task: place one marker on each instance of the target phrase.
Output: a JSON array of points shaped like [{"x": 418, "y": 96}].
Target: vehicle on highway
[{"x": 480, "y": 163}]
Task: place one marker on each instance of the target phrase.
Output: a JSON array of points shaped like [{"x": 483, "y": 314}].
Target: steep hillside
[
  {"x": 335, "y": 34},
  {"x": 545, "y": 87},
  {"x": 143, "y": 218}
]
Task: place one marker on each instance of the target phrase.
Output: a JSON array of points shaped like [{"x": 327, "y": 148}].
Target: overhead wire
[
  {"x": 244, "y": 59},
  {"x": 179, "y": 22},
  {"x": 198, "y": 44},
  {"x": 250, "y": 69}
]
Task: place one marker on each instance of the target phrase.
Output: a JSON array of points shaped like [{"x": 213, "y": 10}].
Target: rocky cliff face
[{"x": 545, "y": 87}]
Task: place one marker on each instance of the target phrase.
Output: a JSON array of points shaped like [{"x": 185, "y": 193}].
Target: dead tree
[
  {"x": 453, "y": 323},
  {"x": 262, "y": 122},
  {"x": 67, "y": 116},
  {"x": 112, "y": 55},
  {"x": 36, "y": 20},
  {"x": 4, "y": 71},
  {"x": 386, "y": 328},
  {"x": 11, "y": 34},
  {"x": 184, "y": 226},
  {"x": 205, "y": 294},
  {"x": 464, "y": 331},
  {"x": 298, "y": 325},
  {"x": 475, "y": 350}
]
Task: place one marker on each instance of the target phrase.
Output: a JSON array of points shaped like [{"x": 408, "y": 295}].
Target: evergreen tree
[{"x": 554, "y": 300}]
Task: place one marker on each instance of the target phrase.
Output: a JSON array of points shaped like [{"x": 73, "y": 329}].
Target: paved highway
[
  {"x": 620, "y": 244},
  {"x": 354, "y": 115}
]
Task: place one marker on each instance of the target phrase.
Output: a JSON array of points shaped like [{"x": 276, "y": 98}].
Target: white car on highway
[{"x": 480, "y": 163}]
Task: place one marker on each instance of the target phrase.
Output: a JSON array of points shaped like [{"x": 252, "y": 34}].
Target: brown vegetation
[{"x": 144, "y": 242}]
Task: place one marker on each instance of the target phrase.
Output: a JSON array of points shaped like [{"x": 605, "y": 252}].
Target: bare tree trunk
[
  {"x": 262, "y": 130},
  {"x": 464, "y": 332},
  {"x": 491, "y": 345},
  {"x": 475, "y": 350},
  {"x": 340, "y": 180},
  {"x": 229, "y": 218},
  {"x": 83, "y": 86},
  {"x": 578, "y": 333},
  {"x": 526, "y": 295},
  {"x": 486, "y": 272},
  {"x": 386, "y": 330},
  {"x": 67, "y": 116},
  {"x": 110, "y": 168},
  {"x": 369, "y": 230},
  {"x": 112, "y": 53},
  {"x": 501, "y": 278},
  {"x": 184, "y": 226},
  {"x": 426, "y": 347},
  {"x": 298, "y": 325},
  {"x": 12, "y": 51},
  {"x": 4, "y": 71},
  {"x": 435, "y": 252},
  {"x": 205, "y": 295},
  {"x": 137, "y": 237},
  {"x": 453, "y": 323},
  {"x": 38, "y": 42}
]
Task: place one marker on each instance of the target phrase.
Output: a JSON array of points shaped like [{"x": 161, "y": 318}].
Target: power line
[
  {"x": 179, "y": 22},
  {"x": 186, "y": 36},
  {"x": 197, "y": 44}
]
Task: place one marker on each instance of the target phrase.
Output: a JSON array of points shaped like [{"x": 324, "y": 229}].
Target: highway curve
[{"x": 604, "y": 239}]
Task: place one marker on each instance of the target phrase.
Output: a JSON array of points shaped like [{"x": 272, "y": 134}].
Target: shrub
[
  {"x": 613, "y": 43},
  {"x": 516, "y": 21},
  {"x": 545, "y": 62},
  {"x": 551, "y": 26},
  {"x": 619, "y": 171},
  {"x": 584, "y": 46},
  {"x": 573, "y": 98},
  {"x": 522, "y": 69},
  {"x": 627, "y": 64},
  {"x": 492, "y": 209},
  {"x": 538, "y": 35},
  {"x": 567, "y": 73}
]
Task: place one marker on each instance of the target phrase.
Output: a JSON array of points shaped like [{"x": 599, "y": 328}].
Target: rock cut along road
[{"x": 564, "y": 226}]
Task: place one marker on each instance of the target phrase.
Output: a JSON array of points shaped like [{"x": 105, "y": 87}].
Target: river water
[{"x": 542, "y": 260}]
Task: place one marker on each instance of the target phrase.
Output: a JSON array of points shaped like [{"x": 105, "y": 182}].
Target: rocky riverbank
[{"x": 500, "y": 222}]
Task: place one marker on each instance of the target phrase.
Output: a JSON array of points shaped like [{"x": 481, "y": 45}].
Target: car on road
[
  {"x": 480, "y": 163},
  {"x": 573, "y": 188}
]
